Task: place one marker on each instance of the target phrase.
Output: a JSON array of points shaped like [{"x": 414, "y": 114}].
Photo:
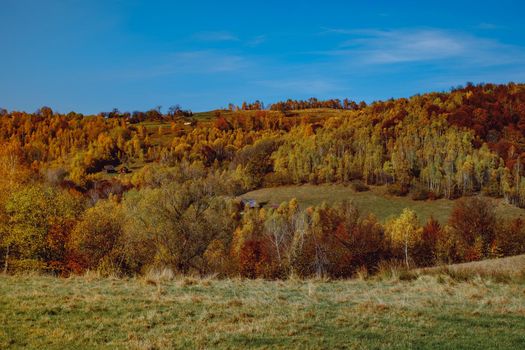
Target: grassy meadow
[
  {"x": 375, "y": 201},
  {"x": 161, "y": 311}
]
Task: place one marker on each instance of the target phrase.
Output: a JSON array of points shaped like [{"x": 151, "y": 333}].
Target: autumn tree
[
  {"x": 473, "y": 222},
  {"x": 40, "y": 220},
  {"x": 425, "y": 252},
  {"x": 250, "y": 248},
  {"x": 179, "y": 222},
  {"x": 405, "y": 233},
  {"x": 335, "y": 241},
  {"x": 510, "y": 237},
  {"x": 96, "y": 241}
]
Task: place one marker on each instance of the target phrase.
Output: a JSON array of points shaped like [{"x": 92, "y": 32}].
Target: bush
[
  {"x": 277, "y": 179},
  {"x": 359, "y": 186},
  {"x": 394, "y": 270},
  {"x": 397, "y": 190},
  {"x": 493, "y": 189},
  {"x": 420, "y": 193}
]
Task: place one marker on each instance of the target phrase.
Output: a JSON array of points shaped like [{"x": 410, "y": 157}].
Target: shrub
[
  {"x": 397, "y": 189},
  {"x": 359, "y": 186},
  {"x": 394, "y": 270},
  {"x": 420, "y": 193},
  {"x": 277, "y": 179}
]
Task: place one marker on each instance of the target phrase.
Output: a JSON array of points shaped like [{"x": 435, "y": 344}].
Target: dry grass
[
  {"x": 39, "y": 312},
  {"x": 502, "y": 269},
  {"x": 513, "y": 265}
]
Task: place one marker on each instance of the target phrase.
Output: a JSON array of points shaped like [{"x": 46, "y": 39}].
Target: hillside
[
  {"x": 509, "y": 267},
  {"x": 123, "y": 192}
]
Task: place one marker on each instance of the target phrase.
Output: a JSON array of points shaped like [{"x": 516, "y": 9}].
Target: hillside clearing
[{"x": 375, "y": 201}]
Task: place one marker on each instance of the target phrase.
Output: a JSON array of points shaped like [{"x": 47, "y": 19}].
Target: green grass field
[
  {"x": 375, "y": 201},
  {"x": 430, "y": 312}
]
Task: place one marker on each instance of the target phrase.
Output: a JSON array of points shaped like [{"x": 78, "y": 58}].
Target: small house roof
[{"x": 252, "y": 203}]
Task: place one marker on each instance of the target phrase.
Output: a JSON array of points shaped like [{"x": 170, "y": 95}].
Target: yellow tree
[
  {"x": 405, "y": 232},
  {"x": 13, "y": 173},
  {"x": 96, "y": 237}
]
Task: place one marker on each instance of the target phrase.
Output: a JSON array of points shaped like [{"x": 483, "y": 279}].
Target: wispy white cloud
[
  {"x": 185, "y": 63},
  {"x": 224, "y": 36},
  {"x": 359, "y": 61},
  {"x": 407, "y": 46},
  {"x": 256, "y": 41},
  {"x": 215, "y": 36},
  {"x": 489, "y": 26},
  {"x": 422, "y": 45},
  {"x": 329, "y": 30}
]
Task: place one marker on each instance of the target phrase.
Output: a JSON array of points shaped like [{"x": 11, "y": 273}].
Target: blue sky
[{"x": 92, "y": 56}]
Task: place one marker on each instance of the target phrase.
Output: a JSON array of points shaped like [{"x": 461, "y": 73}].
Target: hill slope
[{"x": 508, "y": 267}]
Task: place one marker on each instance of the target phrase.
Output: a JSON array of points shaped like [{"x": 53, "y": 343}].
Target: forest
[{"x": 124, "y": 193}]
